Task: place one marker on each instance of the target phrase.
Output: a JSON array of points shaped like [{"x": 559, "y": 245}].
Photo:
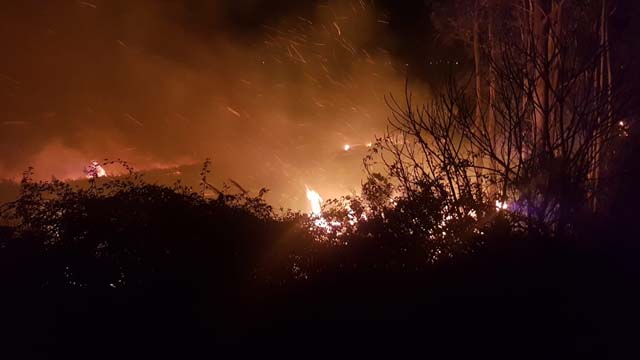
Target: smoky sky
[{"x": 270, "y": 90}]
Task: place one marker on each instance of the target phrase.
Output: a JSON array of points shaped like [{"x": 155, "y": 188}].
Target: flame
[
  {"x": 94, "y": 170},
  {"x": 347, "y": 147},
  {"x": 316, "y": 202},
  {"x": 500, "y": 205}
]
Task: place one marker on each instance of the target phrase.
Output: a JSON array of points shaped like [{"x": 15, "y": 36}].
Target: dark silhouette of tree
[{"x": 540, "y": 142}]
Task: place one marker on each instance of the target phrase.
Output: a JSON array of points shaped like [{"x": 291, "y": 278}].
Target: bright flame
[
  {"x": 94, "y": 170},
  {"x": 501, "y": 205},
  {"x": 369, "y": 144},
  {"x": 316, "y": 201},
  {"x": 347, "y": 147}
]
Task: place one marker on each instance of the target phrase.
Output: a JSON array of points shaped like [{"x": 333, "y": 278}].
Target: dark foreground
[
  {"x": 516, "y": 299},
  {"x": 141, "y": 271}
]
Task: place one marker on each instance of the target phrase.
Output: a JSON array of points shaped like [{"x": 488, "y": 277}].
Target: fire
[
  {"x": 316, "y": 211},
  {"x": 500, "y": 205},
  {"x": 346, "y": 147},
  {"x": 330, "y": 226},
  {"x": 94, "y": 170},
  {"x": 316, "y": 202}
]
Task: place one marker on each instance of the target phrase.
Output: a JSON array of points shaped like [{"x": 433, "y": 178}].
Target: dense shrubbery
[
  {"x": 124, "y": 232},
  {"x": 150, "y": 266}
]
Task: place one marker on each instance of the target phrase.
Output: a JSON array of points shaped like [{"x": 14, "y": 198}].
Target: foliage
[
  {"x": 541, "y": 123},
  {"x": 121, "y": 230}
]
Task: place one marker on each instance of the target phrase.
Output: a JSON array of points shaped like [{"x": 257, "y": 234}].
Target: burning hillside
[{"x": 157, "y": 83}]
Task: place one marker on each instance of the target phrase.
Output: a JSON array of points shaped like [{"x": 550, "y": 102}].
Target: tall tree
[{"x": 544, "y": 127}]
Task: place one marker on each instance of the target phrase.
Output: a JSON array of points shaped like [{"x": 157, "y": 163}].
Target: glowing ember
[
  {"x": 347, "y": 147},
  {"x": 316, "y": 201},
  {"x": 624, "y": 128},
  {"x": 94, "y": 170}
]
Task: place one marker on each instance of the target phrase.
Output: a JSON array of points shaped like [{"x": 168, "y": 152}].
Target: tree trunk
[
  {"x": 476, "y": 61},
  {"x": 554, "y": 61},
  {"x": 478, "y": 80},
  {"x": 541, "y": 70},
  {"x": 604, "y": 83},
  {"x": 491, "y": 118}
]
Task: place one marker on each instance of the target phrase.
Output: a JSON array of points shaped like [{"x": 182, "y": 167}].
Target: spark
[
  {"x": 298, "y": 55},
  {"x": 88, "y": 4},
  {"x": 136, "y": 121},
  {"x": 337, "y": 28},
  {"x": 233, "y": 111}
]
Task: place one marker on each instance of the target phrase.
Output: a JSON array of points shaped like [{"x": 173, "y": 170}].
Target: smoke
[{"x": 270, "y": 93}]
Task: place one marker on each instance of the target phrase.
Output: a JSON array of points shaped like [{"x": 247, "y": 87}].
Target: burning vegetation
[
  {"x": 94, "y": 170},
  {"x": 175, "y": 85},
  {"x": 450, "y": 200}
]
